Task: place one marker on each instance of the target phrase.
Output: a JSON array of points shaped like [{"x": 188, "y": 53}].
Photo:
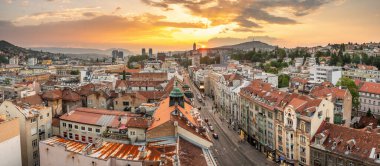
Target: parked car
[
  {"x": 211, "y": 128},
  {"x": 215, "y": 135}
]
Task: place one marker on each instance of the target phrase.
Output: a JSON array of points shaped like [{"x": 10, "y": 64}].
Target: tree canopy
[{"x": 350, "y": 84}]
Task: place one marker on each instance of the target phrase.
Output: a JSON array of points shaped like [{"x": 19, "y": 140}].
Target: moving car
[
  {"x": 211, "y": 128},
  {"x": 215, "y": 135}
]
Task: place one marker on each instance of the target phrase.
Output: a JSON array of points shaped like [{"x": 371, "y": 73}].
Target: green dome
[
  {"x": 185, "y": 86},
  {"x": 176, "y": 92}
]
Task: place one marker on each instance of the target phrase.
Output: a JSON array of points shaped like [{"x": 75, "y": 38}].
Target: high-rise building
[
  {"x": 150, "y": 53},
  {"x": 143, "y": 52},
  {"x": 120, "y": 54},
  {"x": 194, "y": 46},
  {"x": 115, "y": 53}
]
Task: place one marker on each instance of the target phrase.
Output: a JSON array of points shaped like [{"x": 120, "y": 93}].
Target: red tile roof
[
  {"x": 357, "y": 82},
  {"x": 322, "y": 92},
  {"x": 70, "y": 95},
  {"x": 31, "y": 100},
  {"x": 362, "y": 141},
  {"x": 138, "y": 123},
  {"x": 370, "y": 87},
  {"x": 300, "y": 80},
  {"x": 52, "y": 95},
  {"x": 190, "y": 154},
  {"x": 107, "y": 150},
  {"x": 163, "y": 113}
]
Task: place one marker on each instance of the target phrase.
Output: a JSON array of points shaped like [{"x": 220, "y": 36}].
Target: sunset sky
[{"x": 175, "y": 24}]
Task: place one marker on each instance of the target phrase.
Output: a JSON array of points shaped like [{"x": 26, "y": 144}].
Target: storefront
[{"x": 271, "y": 154}]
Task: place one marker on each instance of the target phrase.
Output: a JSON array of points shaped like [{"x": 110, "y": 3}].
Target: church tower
[{"x": 176, "y": 98}]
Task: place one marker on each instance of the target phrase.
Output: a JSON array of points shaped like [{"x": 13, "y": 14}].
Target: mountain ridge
[{"x": 249, "y": 45}]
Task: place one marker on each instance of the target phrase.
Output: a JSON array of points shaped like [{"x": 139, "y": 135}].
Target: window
[
  {"x": 65, "y": 134},
  {"x": 35, "y": 154},
  {"x": 89, "y": 102},
  {"x": 125, "y": 103},
  {"x": 90, "y": 139},
  {"x": 70, "y": 135},
  {"x": 302, "y": 139},
  {"x": 280, "y": 148},
  {"x": 76, "y": 127},
  {"x": 83, "y": 128},
  {"x": 320, "y": 114},
  {"x": 132, "y": 133},
  {"x": 77, "y": 137},
  {"x": 302, "y": 126},
  {"x": 116, "y": 102},
  {"x": 34, "y": 143},
  {"x": 70, "y": 126},
  {"x": 47, "y": 115},
  {"x": 270, "y": 115},
  {"x": 302, "y": 150},
  {"x": 97, "y": 130},
  {"x": 89, "y": 129},
  {"x": 303, "y": 160},
  {"x": 41, "y": 117},
  {"x": 290, "y": 122},
  {"x": 32, "y": 120},
  {"x": 83, "y": 138},
  {"x": 279, "y": 138},
  {"x": 64, "y": 124},
  {"x": 270, "y": 125}
]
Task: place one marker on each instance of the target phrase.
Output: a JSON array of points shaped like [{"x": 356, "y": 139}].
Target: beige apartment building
[
  {"x": 10, "y": 145},
  {"x": 35, "y": 125},
  {"x": 296, "y": 125}
]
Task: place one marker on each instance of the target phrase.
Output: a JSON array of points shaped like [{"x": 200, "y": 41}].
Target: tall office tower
[
  {"x": 120, "y": 55},
  {"x": 150, "y": 53},
  {"x": 194, "y": 46},
  {"x": 115, "y": 54},
  {"x": 143, "y": 52}
]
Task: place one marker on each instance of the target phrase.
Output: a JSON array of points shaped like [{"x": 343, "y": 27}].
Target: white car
[{"x": 211, "y": 128}]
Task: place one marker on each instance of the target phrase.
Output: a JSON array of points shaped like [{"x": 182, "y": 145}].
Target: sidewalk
[{"x": 248, "y": 150}]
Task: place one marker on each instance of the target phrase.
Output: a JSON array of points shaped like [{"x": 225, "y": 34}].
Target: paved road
[{"x": 226, "y": 150}]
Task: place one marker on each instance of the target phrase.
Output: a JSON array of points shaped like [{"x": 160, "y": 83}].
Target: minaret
[{"x": 194, "y": 46}]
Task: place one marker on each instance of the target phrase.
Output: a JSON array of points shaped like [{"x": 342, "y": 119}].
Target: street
[{"x": 227, "y": 150}]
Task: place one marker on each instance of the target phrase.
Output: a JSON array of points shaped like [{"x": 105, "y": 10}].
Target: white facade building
[{"x": 319, "y": 74}]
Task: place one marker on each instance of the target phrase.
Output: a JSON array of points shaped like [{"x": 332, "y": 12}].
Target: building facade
[{"x": 35, "y": 125}]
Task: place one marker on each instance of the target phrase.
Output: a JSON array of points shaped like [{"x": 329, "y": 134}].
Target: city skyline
[{"x": 175, "y": 25}]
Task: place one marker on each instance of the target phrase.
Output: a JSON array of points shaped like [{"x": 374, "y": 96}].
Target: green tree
[
  {"x": 369, "y": 113},
  {"x": 7, "y": 81},
  {"x": 74, "y": 72},
  {"x": 283, "y": 81},
  {"x": 356, "y": 59},
  {"x": 350, "y": 84},
  {"x": 124, "y": 75},
  {"x": 3, "y": 59}
]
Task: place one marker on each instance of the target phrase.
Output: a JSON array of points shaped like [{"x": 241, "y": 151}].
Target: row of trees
[
  {"x": 210, "y": 60},
  {"x": 137, "y": 58}
]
